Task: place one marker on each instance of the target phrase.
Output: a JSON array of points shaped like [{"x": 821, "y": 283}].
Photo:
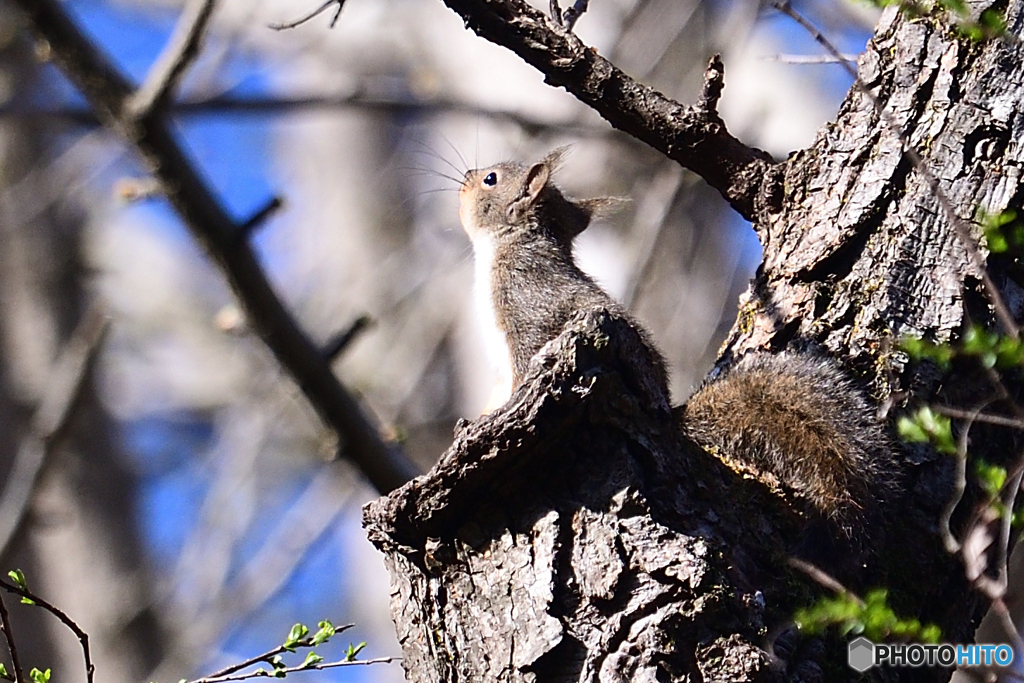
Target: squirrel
[{"x": 796, "y": 416}]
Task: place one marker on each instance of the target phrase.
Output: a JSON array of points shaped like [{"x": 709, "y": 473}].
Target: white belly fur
[{"x": 494, "y": 338}]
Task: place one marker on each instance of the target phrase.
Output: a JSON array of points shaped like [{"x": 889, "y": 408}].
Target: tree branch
[
  {"x": 173, "y": 62},
  {"x": 693, "y": 136},
  {"x": 83, "y": 637},
  {"x": 109, "y": 92},
  {"x": 49, "y": 423},
  {"x": 12, "y": 647},
  {"x": 362, "y": 97}
]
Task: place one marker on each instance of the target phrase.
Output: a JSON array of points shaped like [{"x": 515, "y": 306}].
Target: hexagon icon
[{"x": 861, "y": 654}]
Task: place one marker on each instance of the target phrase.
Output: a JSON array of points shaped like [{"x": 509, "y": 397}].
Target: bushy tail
[{"x": 799, "y": 418}]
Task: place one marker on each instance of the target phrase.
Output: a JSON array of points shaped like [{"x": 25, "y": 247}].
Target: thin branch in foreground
[
  {"x": 307, "y": 17},
  {"x": 824, "y": 579},
  {"x": 1006, "y": 620},
  {"x": 950, "y": 541},
  {"x": 959, "y": 226},
  {"x": 179, "y": 53},
  {"x": 987, "y": 418},
  {"x": 252, "y": 661},
  {"x": 295, "y": 669},
  {"x": 810, "y": 59},
  {"x": 5, "y": 626},
  {"x": 83, "y": 637}
]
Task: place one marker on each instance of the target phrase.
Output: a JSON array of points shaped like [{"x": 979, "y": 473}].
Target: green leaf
[
  {"x": 18, "y": 577},
  {"x": 956, "y": 6},
  {"x": 994, "y": 20},
  {"x": 919, "y": 349},
  {"x": 298, "y": 632},
  {"x": 325, "y": 633},
  {"x": 1003, "y": 232},
  {"x": 39, "y": 676},
  {"x": 874, "y": 618},
  {"x": 4, "y": 674},
  {"x": 311, "y": 659},
  {"x": 927, "y": 426},
  {"x": 353, "y": 650},
  {"x": 991, "y": 477}
]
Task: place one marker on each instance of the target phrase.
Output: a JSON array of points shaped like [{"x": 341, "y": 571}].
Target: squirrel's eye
[{"x": 491, "y": 179}]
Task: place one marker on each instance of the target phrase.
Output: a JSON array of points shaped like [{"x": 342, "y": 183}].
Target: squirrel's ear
[
  {"x": 555, "y": 157},
  {"x": 599, "y": 207},
  {"x": 536, "y": 179}
]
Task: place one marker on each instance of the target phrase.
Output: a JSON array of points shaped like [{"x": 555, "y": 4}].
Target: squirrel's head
[{"x": 511, "y": 195}]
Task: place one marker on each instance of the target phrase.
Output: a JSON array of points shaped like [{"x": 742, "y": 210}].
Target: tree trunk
[{"x": 573, "y": 535}]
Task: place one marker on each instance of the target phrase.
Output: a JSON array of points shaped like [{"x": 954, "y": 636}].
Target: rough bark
[
  {"x": 573, "y": 536},
  {"x": 564, "y": 538}
]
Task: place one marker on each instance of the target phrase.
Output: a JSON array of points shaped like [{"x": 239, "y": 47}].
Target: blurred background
[{"x": 190, "y": 514}]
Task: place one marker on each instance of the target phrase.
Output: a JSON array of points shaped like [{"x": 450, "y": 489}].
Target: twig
[
  {"x": 179, "y": 53},
  {"x": 358, "y": 99},
  {"x": 334, "y": 347},
  {"x": 959, "y": 226},
  {"x": 810, "y": 59},
  {"x": 5, "y": 626},
  {"x": 952, "y": 545},
  {"x": 384, "y": 464},
  {"x": 66, "y": 383},
  {"x": 714, "y": 83},
  {"x": 1006, "y": 620},
  {"x": 824, "y": 579},
  {"x": 573, "y": 14},
  {"x": 280, "y": 649},
  {"x": 555, "y": 10},
  {"x": 301, "y": 667},
  {"x": 689, "y": 136},
  {"x": 304, "y": 19},
  {"x": 259, "y": 218},
  {"x": 987, "y": 418},
  {"x": 83, "y": 637}
]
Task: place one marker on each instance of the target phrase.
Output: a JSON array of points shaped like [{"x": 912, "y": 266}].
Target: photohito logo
[{"x": 863, "y": 654}]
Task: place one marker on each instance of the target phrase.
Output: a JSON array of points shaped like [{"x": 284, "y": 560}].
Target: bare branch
[
  {"x": 810, "y": 59},
  {"x": 573, "y": 14},
  {"x": 824, "y": 579},
  {"x": 1000, "y": 420},
  {"x": 5, "y": 626},
  {"x": 334, "y": 347},
  {"x": 64, "y": 389},
  {"x": 693, "y": 136},
  {"x": 383, "y": 463},
  {"x": 307, "y": 17},
  {"x": 259, "y": 218},
  {"x": 358, "y": 99},
  {"x": 179, "y": 53},
  {"x": 1006, "y": 620}
]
